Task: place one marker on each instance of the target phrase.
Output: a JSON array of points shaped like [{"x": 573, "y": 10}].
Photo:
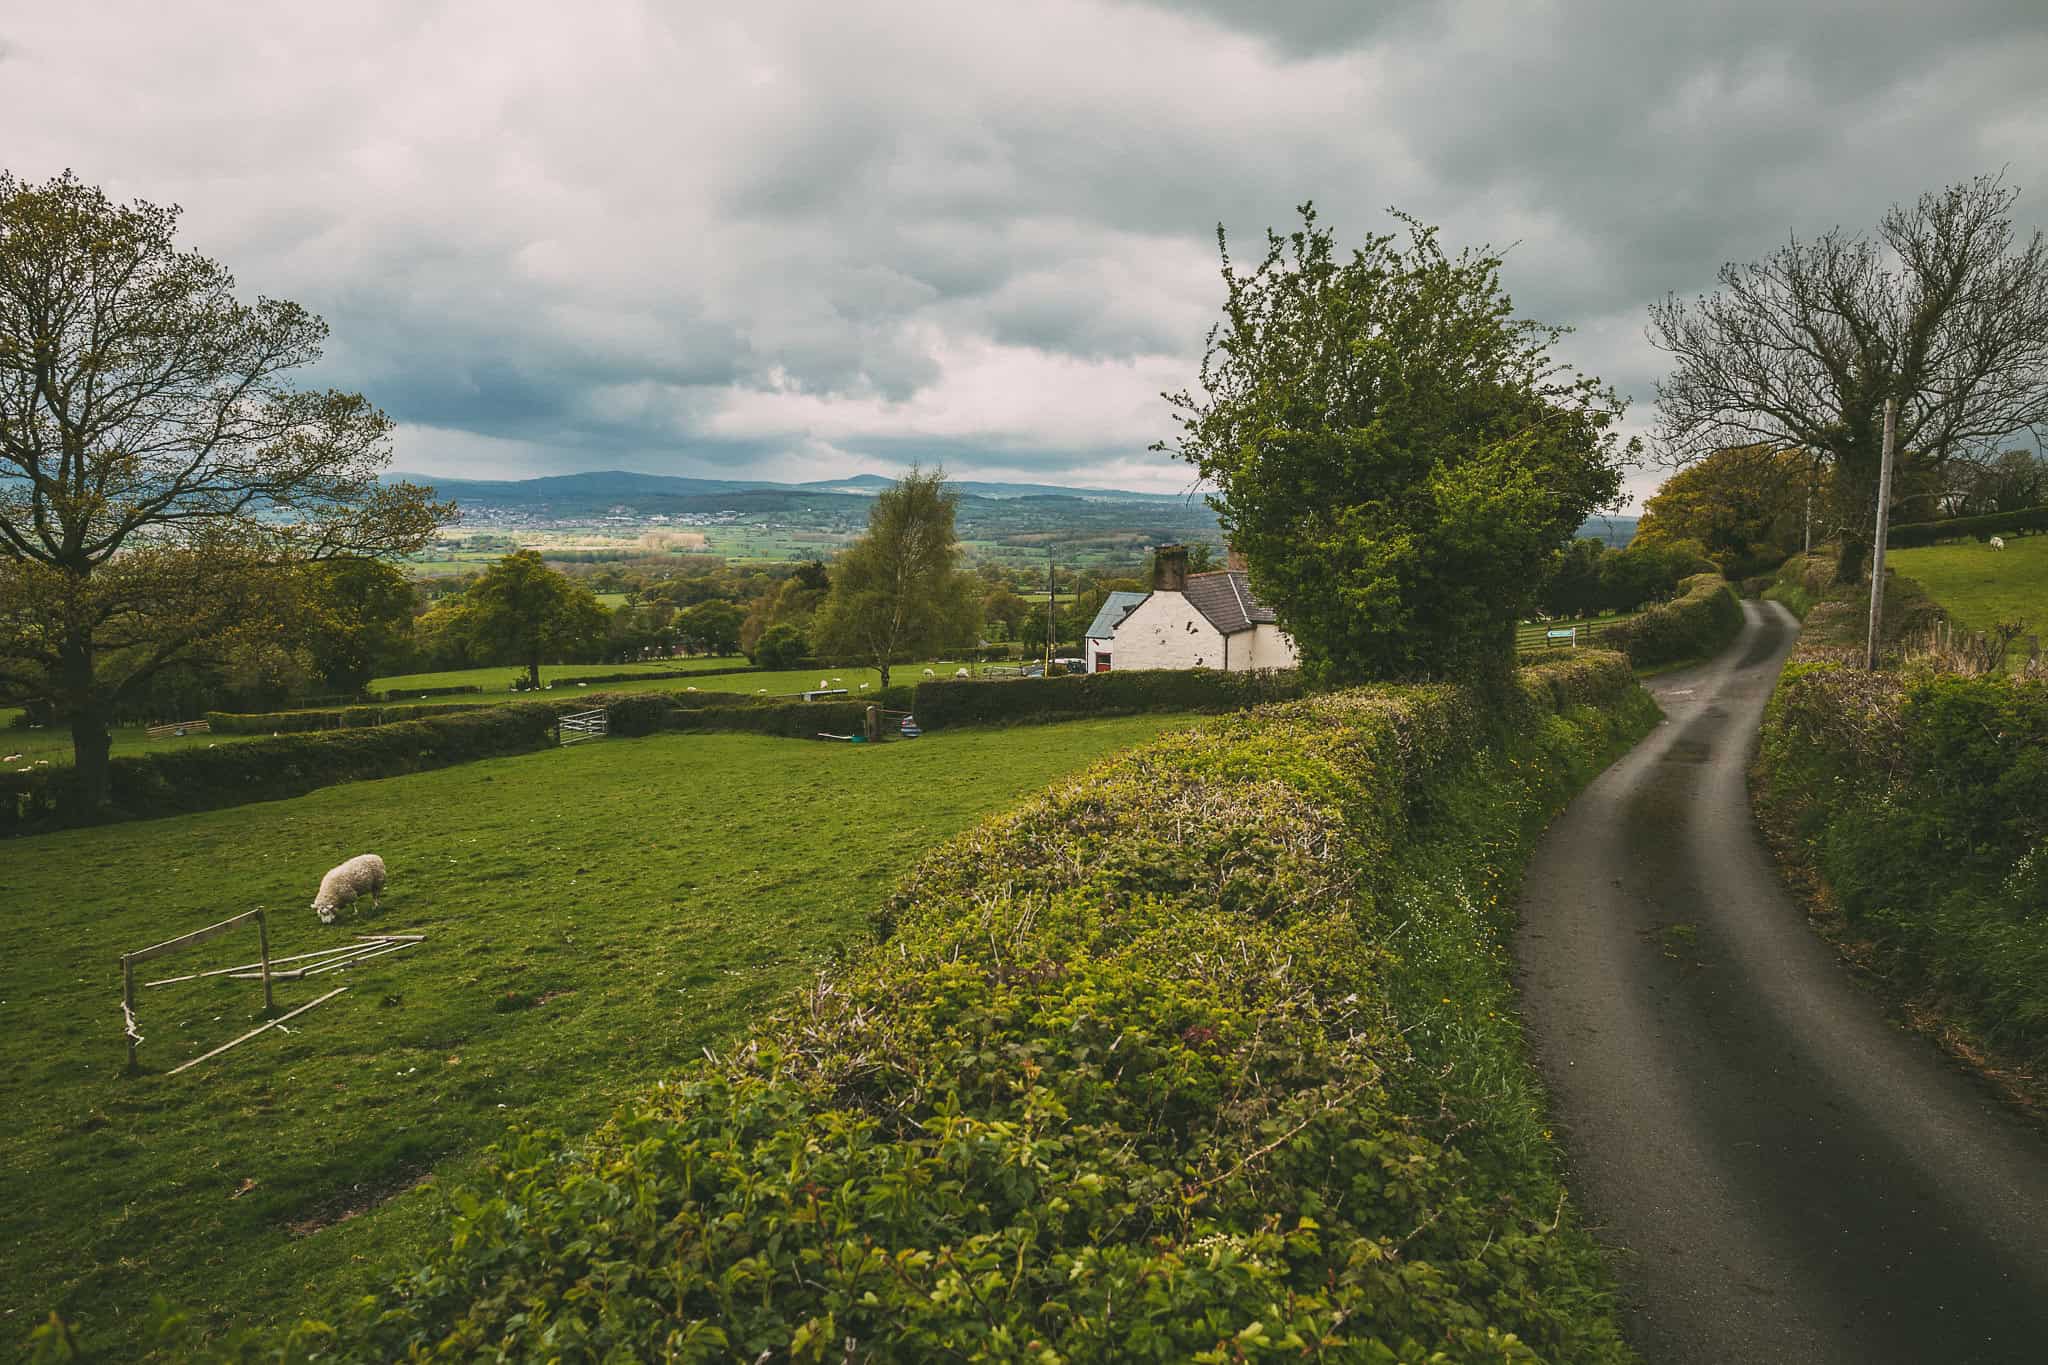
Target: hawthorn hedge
[
  {"x": 991, "y": 701},
  {"x": 190, "y": 779},
  {"x": 1206, "y": 1054},
  {"x": 1700, "y": 621},
  {"x": 1921, "y": 799},
  {"x": 328, "y": 718},
  {"x": 399, "y": 693},
  {"x": 1955, "y": 528}
]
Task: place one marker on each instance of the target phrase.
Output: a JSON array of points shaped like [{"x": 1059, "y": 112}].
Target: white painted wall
[
  {"x": 1269, "y": 647},
  {"x": 1165, "y": 631}
]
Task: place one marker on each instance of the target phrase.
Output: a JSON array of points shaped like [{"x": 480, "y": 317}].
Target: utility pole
[
  {"x": 1884, "y": 521},
  {"x": 1051, "y": 606}
]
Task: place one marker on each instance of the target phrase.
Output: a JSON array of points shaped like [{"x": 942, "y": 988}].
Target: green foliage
[
  {"x": 327, "y": 718},
  {"x": 1147, "y": 1070},
  {"x": 1700, "y": 623},
  {"x": 356, "y": 620},
  {"x": 1396, "y": 455},
  {"x": 898, "y": 592},
  {"x": 711, "y": 627},
  {"x": 988, "y": 701},
  {"x": 1925, "y": 807},
  {"x": 781, "y": 646},
  {"x": 1745, "y": 505},
  {"x": 1650, "y": 571},
  {"x": 521, "y": 611}
]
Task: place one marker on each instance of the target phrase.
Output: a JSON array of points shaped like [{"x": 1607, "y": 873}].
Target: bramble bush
[
  {"x": 995, "y": 701},
  {"x": 1922, "y": 800},
  {"x": 1700, "y": 621},
  {"x": 1208, "y": 1054}
]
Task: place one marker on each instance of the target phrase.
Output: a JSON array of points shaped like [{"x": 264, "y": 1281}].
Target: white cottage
[{"x": 1204, "y": 620}]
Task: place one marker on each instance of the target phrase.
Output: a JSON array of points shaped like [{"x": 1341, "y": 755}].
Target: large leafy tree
[
  {"x": 160, "y": 476},
  {"x": 1747, "y": 505},
  {"x": 898, "y": 592},
  {"x": 356, "y": 621},
  {"x": 521, "y": 611},
  {"x": 1395, "y": 454},
  {"x": 1945, "y": 310}
]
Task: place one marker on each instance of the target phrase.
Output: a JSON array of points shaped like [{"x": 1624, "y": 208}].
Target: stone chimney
[
  {"x": 1170, "y": 568},
  {"x": 1232, "y": 559}
]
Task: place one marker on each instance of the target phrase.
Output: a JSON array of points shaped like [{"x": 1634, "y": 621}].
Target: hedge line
[
  {"x": 1922, "y": 800},
  {"x": 1955, "y": 528},
  {"x": 1700, "y": 621},
  {"x": 191, "y": 779},
  {"x": 1207, "y": 1054},
  {"x": 985, "y": 701},
  {"x": 398, "y": 694},
  {"x": 328, "y": 718}
]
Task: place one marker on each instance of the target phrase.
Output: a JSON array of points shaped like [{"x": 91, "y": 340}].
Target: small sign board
[
  {"x": 1569, "y": 634},
  {"x": 820, "y": 693}
]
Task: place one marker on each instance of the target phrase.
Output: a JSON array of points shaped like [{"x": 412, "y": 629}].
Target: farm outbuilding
[{"x": 1204, "y": 620}]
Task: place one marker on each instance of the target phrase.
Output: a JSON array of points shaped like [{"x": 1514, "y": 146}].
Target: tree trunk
[
  {"x": 1855, "y": 552},
  {"x": 533, "y": 673},
  {"x": 885, "y": 675},
  {"x": 87, "y": 713},
  {"x": 91, "y": 744}
]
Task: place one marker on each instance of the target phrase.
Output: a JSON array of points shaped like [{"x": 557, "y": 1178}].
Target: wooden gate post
[
  {"x": 128, "y": 1005},
  {"x": 874, "y": 724},
  {"x": 263, "y": 936}
]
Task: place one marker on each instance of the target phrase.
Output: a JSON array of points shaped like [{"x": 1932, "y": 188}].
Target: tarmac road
[{"x": 1790, "y": 1176}]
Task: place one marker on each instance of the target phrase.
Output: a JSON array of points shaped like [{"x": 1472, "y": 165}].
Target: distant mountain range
[{"x": 1018, "y": 513}]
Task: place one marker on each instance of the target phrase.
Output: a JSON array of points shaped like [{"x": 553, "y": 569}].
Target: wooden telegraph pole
[
  {"x": 1884, "y": 521},
  {"x": 1051, "y": 606}
]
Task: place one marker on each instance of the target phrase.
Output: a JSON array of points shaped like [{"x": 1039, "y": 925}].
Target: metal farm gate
[{"x": 581, "y": 725}]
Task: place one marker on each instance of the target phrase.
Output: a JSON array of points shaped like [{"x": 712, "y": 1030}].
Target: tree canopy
[
  {"x": 898, "y": 592},
  {"x": 159, "y": 472},
  {"x": 1747, "y": 505},
  {"x": 521, "y": 611},
  {"x": 1945, "y": 309},
  {"x": 1395, "y": 454}
]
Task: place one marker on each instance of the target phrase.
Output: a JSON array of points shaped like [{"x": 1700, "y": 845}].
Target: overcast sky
[{"x": 809, "y": 240}]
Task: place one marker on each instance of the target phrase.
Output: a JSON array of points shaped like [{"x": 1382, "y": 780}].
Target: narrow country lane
[{"x": 1789, "y": 1175}]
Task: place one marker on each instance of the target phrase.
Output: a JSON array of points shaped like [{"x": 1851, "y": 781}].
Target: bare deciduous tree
[{"x": 1944, "y": 309}]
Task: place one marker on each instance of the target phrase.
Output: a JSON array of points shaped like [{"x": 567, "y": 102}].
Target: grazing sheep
[
  {"x": 961, "y": 673},
  {"x": 342, "y": 885},
  {"x": 1998, "y": 542},
  {"x": 929, "y": 674}
]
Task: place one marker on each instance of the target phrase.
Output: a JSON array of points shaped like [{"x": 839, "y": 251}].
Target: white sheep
[
  {"x": 1998, "y": 542},
  {"x": 961, "y": 673},
  {"x": 929, "y": 674},
  {"x": 342, "y": 885}
]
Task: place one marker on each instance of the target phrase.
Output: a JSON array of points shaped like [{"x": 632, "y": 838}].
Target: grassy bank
[
  {"x": 1206, "y": 1055},
  {"x": 1920, "y": 800},
  {"x": 595, "y": 916},
  {"x": 1979, "y": 586}
]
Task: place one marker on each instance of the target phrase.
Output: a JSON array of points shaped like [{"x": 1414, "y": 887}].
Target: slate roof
[
  {"x": 1115, "y": 608},
  {"x": 1225, "y": 598}
]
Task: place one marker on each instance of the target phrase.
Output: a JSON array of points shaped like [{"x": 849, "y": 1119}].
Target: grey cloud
[{"x": 601, "y": 241}]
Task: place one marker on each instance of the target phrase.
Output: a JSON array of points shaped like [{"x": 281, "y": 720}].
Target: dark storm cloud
[{"x": 800, "y": 239}]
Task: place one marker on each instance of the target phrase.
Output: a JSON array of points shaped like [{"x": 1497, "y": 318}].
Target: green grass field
[
  {"x": 594, "y": 916},
  {"x": 1980, "y": 586},
  {"x": 52, "y": 744},
  {"x": 497, "y": 678}
]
